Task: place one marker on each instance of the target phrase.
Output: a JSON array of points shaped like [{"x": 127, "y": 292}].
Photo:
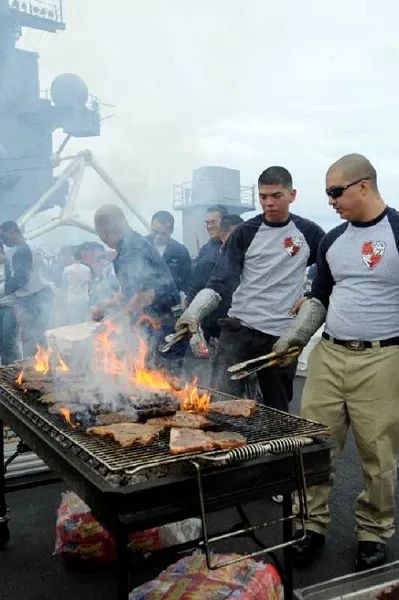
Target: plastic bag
[
  {"x": 190, "y": 578},
  {"x": 80, "y": 537}
]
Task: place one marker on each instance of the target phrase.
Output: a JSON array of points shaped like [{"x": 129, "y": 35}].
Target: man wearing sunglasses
[{"x": 353, "y": 373}]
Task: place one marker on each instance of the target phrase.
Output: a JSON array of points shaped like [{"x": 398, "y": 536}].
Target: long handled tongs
[{"x": 273, "y": 359}]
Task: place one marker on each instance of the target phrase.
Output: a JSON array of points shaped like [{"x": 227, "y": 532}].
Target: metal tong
[
  {"x": 172, "y": 339},
  {"x": 240, "y": 371}
]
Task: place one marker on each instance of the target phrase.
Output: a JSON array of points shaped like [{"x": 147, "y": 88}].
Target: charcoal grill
[{"x": 130, "y": 489}]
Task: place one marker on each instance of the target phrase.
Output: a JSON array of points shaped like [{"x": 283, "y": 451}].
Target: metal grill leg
[
  {"x": 4, "y": 531},
  {"x": 287, "y": 536},
  {"x": 122, "y": 565}
]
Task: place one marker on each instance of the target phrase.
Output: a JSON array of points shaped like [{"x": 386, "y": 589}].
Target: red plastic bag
[
  {"x": 190, "y": 578},
  {"x": 80, "y": 537}
]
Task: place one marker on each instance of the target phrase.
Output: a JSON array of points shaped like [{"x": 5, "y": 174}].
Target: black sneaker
[
  {"x": 304, "y": 551},
  {"x": 370, "y": 555}
]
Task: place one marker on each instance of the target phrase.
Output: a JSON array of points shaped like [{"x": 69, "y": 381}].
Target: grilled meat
[
  {"x": 226, "y": 440},
  {"x": 184, "y": 440},
  {"x": 189, "y": 440},
  {"x": 182, "y": 419},
  {"x": 127, "y": 434},
  {"x": 116, "y": 417},
  {"x": 234, "y": 408},
  {"x": 48, "y": 398}
]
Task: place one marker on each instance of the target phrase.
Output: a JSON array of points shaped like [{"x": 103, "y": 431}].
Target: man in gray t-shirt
[
  {"x": 261, "y": 272},
  {"x": 353, "y": 374}
]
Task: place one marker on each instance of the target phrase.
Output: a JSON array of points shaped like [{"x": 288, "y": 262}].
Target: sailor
[
  {"x": 174, "y": 254},
  {"x": 209, "y": 253},
  {"x": 262, "y": 268},
  {"x": 27, "y": 288},
  {"x": 146, "y": 285},
  {"x": 353, "y": 375}
]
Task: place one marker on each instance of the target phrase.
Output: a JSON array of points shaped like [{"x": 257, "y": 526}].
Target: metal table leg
[
  {"x": 4, "y": 531},
  {"x": 122, "y": 565},
  {"x": 288, "y": 532}
]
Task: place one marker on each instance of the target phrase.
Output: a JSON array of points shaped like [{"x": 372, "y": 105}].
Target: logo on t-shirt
[
  {"x": 372, "y": 253},
  {"x": 292, "y": 245}
]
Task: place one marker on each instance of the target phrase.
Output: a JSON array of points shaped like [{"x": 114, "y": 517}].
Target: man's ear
[{"x": 293, "y": 195}]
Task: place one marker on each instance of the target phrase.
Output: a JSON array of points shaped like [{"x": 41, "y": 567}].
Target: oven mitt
[
  {"x": 198, "y": 345},
  {"x": 311, "y": 316},
  {"x": 204, "y": 303}
]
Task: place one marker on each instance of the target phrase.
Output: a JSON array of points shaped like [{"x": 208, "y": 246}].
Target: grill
[{"x": 133, "y": 488}]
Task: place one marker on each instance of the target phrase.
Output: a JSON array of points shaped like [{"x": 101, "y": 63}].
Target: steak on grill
[
  {"x": 184, "y": 440},
  {"x": 182, "y": 419},
  {"x": 226, "y": 440},
  {"x": 127, "y": 434},
  {"x": 189, "y": 440},
  {"x": 234, "y": 408},
  {"x": 116, "y": 417}
]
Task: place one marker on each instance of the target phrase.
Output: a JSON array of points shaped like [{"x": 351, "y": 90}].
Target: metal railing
[
  {"x": 182, "y": 196},
  {"x": 39, "y": 8}
]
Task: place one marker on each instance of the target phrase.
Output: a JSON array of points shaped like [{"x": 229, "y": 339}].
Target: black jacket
[
  {"x": 178, "y": 260},
  {"x": 139, "y": 267},
  {"x": 204, "y": 264}
]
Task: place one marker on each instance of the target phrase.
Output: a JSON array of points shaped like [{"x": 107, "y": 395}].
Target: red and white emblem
[
  {"x": 372, "y": 253},
  {"x": 292, "y": 245}
]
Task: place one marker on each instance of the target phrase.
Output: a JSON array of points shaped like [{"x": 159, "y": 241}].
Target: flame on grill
[
  {"x": 105, "y": 356},
  {"x": 191, "y": 399},
  {"x": 144, "y": 377},
  {"x": 133, "y": 369},
  {"x": 62, "y": 367},
  {"x": 42, "y": 360},
  {"x": 66, "y": 413},
  {"x": 20, "y": 378}
]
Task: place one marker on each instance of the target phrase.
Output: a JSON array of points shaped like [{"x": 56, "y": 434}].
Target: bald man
[
  {"x": 147, "y": 287},
  {"x": 353, "y": 373}
]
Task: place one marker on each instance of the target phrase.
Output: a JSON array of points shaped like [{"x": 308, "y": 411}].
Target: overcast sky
[{"x": 236, "y": 83}]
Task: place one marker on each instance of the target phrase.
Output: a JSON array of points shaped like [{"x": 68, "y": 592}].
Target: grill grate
[{"x": 107, "y": 457}]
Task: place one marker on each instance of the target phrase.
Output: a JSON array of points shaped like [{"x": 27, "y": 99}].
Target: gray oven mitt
[
  {"x": 310, "y": 317},
  {"x": 204, "y": 303}
]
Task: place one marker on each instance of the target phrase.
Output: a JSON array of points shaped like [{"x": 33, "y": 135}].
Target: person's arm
[
  {"x": 200, "y": 275},
  {"x": 186, "y": 270},
  {"x": 226, "y": 274},
  {"x": 223, "y": 281},
  {"x": 313, "y": 310},
  {"x": 323, "y": 281},
  {"x": 149, "y": 278},
  {"x": 22, "y": 262},
  {"x": 64, "y": 280}
]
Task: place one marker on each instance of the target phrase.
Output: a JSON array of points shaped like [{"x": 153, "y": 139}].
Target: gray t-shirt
[
  {"x": 263, "y": 268},
  {"x": 358, "y": 279}
]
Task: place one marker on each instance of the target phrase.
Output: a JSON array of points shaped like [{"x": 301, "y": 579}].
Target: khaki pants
[{"x": 357, "y": 389}]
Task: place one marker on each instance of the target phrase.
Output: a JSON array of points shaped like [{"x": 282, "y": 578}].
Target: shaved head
[
  {"x": 110, "y": 215},
  {"x": 353, "y": 167},
  {"x": 111, "y": 224}
]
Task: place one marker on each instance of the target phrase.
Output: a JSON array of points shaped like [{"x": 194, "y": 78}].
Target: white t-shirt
[
  {"x": 76, "y": 278},
  {"x": 161, "y": 249}
]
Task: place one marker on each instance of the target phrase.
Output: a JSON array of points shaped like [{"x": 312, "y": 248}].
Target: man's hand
[
  {"x": 297, "y": 307},
  {"x": 97, "y": 313},
  {"x": 139, "y": 302}
]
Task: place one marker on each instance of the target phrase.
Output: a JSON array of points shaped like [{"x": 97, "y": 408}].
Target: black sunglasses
[{"x": 336, "y": 191}]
